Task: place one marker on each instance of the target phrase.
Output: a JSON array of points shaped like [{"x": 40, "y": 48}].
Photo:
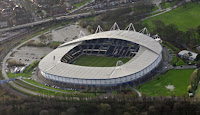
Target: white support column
[
  {"x": 130, "y": 27},
  {"x": 115, "y": 27},
  {"x": 145, "y": 31},
  {"x": 81, "y": 34},
  {"x": 99, "y": 29}
]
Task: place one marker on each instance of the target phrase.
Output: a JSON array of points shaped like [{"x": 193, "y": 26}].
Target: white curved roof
[{"x": 148, "y": 52}]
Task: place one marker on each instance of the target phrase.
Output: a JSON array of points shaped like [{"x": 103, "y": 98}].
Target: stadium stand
[{"x": 104, "y": 47}]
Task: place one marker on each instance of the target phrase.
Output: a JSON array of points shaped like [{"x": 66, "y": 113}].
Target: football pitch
[{"x": 98, "y": 61}]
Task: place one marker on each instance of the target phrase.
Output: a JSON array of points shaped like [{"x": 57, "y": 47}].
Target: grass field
[
  {"x": 98, "y": 61},
  {"x": 81, "y": 3},
  {"x": 184, "y": 18},
  {"x": 157, "y": 87},
  {"x": 198, "y": 92}
]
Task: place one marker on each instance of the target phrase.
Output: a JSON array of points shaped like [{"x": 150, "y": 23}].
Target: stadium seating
[{"x": 104, "y": 47}]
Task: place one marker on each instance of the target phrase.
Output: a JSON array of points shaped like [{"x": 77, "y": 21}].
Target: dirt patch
[{"x": 170, "y": 87}]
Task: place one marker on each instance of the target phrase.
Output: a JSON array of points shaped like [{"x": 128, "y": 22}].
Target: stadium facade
[{"x": 145, "y": 53}]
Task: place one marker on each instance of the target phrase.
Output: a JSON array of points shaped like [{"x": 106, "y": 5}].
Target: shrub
[
  {"x": 54, "y": 45},
  {"x": 13, "y": 62},
  {"x": 35, "y": 43}
]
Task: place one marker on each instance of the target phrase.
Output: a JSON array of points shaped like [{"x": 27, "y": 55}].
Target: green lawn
[
  {"x": 157, "y": 87},
  {"x": 198, "y": 92},
  {"x": 89, "y": 19},
  {"x": 10, "y": 75},
  {"x": 98, "y": 61},
  {"x": 36, "y": 89},
  {"x": 81, "y": 3},
  {"x": 53, "y": 93},
  {"x": 184, "y": 18}
]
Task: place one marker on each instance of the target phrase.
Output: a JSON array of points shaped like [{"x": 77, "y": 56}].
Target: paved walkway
[
  {"x": 139, "y": 94},
  {"x": 185, "y": 67},
  {"x": 162, "y": 11},
  {"x": 7, "y": 80}
]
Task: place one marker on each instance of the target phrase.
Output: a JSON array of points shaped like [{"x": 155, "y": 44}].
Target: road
[
  {"x": 42, "y": 87},
  {"x": 51, "y": 19},
  {"x": 7, "y": 80},
  {"x": 65, "y": 17},
  {"x": 15, "y": 85},
  {"x": 81, "y": 7}
]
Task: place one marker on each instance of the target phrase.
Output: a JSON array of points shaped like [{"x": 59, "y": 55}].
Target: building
[
  {"x": 58, "y": 9},
  {"x": 145, "y": 53},
  {"x": 157, "y": 38},
  {"x": 3, "y": 22},
  {"x": 21, "y": 16},
  {"x": 187, "y": 55}
]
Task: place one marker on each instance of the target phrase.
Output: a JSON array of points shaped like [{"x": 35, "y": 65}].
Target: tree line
[
  {"x": 123, "y": 16},
  {"x": 172, "y": 34},
  {"x": 143, "y": 106}
]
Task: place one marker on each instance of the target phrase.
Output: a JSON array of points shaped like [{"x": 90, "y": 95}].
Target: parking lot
[
  {"x": 66, "y": 33},
  {"x": 29, "y": 54}
]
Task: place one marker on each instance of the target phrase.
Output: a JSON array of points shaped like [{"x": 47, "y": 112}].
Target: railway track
[{"x": 5, "y": 47}]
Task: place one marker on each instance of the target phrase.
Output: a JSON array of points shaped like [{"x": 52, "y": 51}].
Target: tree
[
  {"x": 170, "y": 32},
  {"x": 198, "y": 30},
  {"x": 71, "y": 111},
  {"x": 189, "y": 88},
  {"x": 89, "y": 28},
  {"x": 126, "y": 113},
  {"x": 105, "y": 108},
  {"x": 50, "y": 38},
  {"x": 198, "y": 64},
  {"x": 163, "y": 4},
  {"x": 152, "y": 109},
  {"x": 44, "y": 112},
  {"x": 43, "y": 39},
  {"x": 158, "y": 26}
]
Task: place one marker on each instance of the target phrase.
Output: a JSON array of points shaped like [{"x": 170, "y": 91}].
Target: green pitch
[
  {"x": 179, "y": 79},
  {"x": 98, "y": 61},
  {"x": 184, "y": 17}
]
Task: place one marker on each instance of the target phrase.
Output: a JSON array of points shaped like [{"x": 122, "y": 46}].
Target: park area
[
  {"x": 98, "y": 61},
  {"x": 185, "y": 17},
  {"x": 174, "y": 82}
]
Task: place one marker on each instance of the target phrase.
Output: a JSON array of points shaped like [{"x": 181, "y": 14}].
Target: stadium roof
[{"x": 148, "y": 52}]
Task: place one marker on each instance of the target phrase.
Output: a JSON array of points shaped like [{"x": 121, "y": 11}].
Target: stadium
[{"x": 107, "y": 58}]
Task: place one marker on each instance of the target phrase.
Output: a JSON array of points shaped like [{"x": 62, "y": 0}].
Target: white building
[{"x": 187, "y": 55}]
